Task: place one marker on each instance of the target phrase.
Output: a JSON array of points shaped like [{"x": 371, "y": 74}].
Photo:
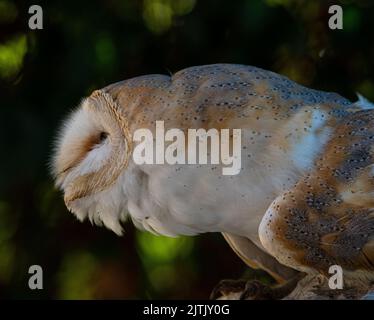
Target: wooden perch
[{"x": 316, "y": 288}]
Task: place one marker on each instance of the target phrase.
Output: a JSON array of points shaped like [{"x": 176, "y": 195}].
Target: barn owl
[{"x": 302, "y": 201}]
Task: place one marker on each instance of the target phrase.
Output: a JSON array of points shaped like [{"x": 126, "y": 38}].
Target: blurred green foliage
[
  {"x": 159, "y": 256},
  {"x": 88, "y": 44},
  {"x": 158, "y": 14},
  {"x": 11, "y": 56},
  {"x": 76, "y": 276}
]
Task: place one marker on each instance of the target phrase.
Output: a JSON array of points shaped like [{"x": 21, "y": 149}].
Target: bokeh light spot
[
  {"x": 182, "y": 7},
  {"x": 11, "y": 56},
  {"x": 351, "y": 19},
  {"x": 106, "y": 54},
  {"x": 157, "y": 15},
  {"x": 76, "y": 277},
  {"x": 163, "y": 249}
]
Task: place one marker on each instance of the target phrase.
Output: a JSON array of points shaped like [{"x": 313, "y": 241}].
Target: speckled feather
[{"x": 327, "y": 218}]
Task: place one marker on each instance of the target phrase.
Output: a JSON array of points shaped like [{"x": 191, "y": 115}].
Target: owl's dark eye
[{"x": 103, "y": 136}]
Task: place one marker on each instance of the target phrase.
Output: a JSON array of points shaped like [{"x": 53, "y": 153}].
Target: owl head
[{"x": 91, "y": 154}]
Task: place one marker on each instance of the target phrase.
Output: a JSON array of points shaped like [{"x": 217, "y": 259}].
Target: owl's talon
[
  {"x": 250, "y": 290},
  {"x": 225, "y": 287},
  {"x": 255, "y": 290}
]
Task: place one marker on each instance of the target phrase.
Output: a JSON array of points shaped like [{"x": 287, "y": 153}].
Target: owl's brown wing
[{"x": 327, "y": 218}]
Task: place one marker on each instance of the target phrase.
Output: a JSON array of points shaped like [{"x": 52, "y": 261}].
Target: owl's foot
[
  {"x": 225, "y": 287},
  {"x": 254, "y": 289}
]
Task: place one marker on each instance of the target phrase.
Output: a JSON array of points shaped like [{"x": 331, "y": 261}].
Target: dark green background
[{"x": 88, "y": 44}]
